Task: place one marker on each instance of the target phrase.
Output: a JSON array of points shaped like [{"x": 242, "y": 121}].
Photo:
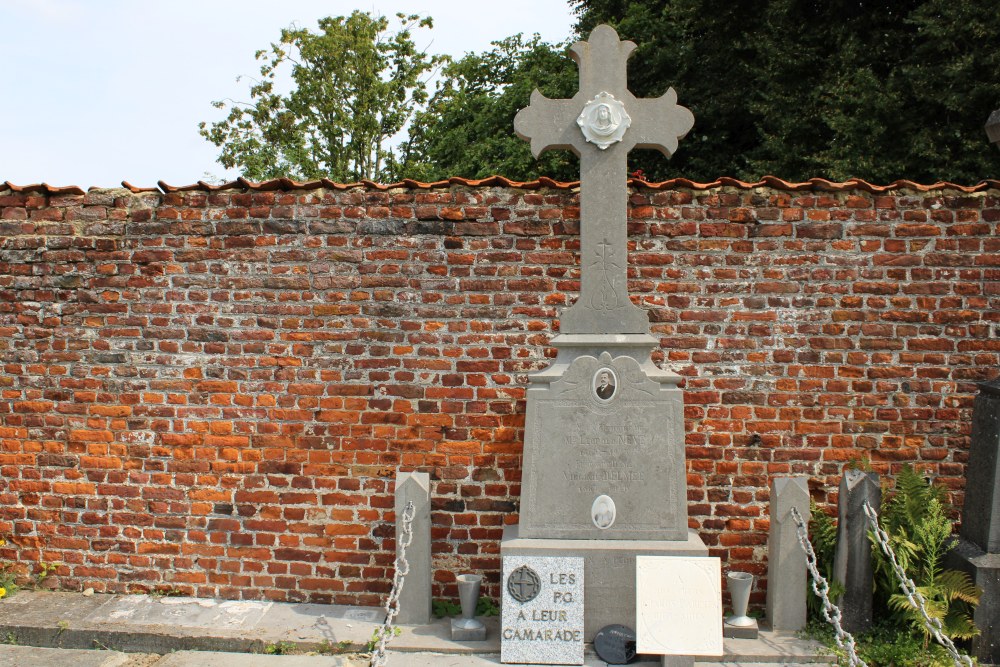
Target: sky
[{"x": 96, "y": 92}]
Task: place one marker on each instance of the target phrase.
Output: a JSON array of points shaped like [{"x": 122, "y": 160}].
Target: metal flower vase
[
  {"x": 739, "y": 590},
  {"x": 468, "y": 627}
]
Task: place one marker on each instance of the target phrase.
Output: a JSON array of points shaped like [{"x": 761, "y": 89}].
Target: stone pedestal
[
  {"x": 977, "y": 550},
  {"x": 415, "y": 598},
  {"x": 981, "y": 510},
  {"x": 984, "y": 570},
  {"x": 786, "y": 560},
  {"x": 852, "y": 566},
  {"x": 609, "y": 569}
]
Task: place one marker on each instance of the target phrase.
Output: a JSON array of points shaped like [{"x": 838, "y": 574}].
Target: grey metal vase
[
  {"x": 739, "y": 584},
  {"x": 468, "y": 595}
]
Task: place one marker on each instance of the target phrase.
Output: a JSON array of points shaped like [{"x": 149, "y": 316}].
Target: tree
[
  {"x": 874, "y": 89},
  {"x": 354, "y": 87},
  {"x": 468, "y": 127}
]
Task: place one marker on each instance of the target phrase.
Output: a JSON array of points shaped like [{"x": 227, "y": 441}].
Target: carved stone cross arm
[{"x": 601, "y": 124}]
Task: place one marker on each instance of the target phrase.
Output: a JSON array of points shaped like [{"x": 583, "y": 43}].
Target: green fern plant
[
  {"x": 920, "y": 534},
  {"x": 823, "y": 537}
]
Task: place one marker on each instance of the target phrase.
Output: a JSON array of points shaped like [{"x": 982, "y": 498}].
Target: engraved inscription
[{"x": 606, "y": 296}]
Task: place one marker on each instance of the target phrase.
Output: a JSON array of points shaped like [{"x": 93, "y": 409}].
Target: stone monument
[
  {"x": 978, "y": 549},
  {"x": 604, "y": 474}
]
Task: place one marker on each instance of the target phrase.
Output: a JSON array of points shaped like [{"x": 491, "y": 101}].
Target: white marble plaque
[
  {"x": 678, "y": 605},
  {"x": 542, "y": 616}
]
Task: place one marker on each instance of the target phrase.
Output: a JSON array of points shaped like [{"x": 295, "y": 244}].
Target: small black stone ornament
[{"x": 615, "y": 644}]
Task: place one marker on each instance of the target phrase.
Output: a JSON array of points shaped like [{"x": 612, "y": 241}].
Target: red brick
[{"x": 255, "y": 420}]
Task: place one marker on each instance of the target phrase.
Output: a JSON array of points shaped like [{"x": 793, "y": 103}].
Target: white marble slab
[{"x": 678, "y": 605}]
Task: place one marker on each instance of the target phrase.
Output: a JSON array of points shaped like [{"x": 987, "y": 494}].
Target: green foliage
[
  {"x": 376, "y": 634},
  {"x": 886, "y": 645},
  {"x": 326, "y": 647},
  {"x": 445, "y": 608},
  {"x": 468, "y": 127},
  {"x": 355, "y": 85},
  {"x": 45, "y": 570},
  {"x": 875, "y": 89},
  {"x": 487, "y": 607},
  {"x": 823, "y": 537},
  {"x": 484, "y": 607},
  {"x": 8, "y": 577},
  {"x": 920, "y": 534},
  {"x": 279, "y": 648}
]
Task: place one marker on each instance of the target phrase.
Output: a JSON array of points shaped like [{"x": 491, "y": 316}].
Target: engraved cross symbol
[
  {"x": 523, "y": 584},
  {"x": 601, "y": 124}
]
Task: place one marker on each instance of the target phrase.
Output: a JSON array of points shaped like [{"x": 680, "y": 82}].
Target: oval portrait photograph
[
  {"x": 603, "y": 512},
  {"x": 605, "y": 384}
]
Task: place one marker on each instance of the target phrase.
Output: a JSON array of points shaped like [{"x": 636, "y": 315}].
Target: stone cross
[{"x": 601, "y": 124}]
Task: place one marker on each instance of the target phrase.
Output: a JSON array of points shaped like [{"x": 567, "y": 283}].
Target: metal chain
[
  {"x": 909, "y": 589},
  {"x": 821, "y": 588},
  {"x": 385, "y": 633}
]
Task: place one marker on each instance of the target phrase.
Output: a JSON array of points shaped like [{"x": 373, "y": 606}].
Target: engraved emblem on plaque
[
  {"x": 603, "y": 512},
  {"x": 604, "y": 120},
  {"x": 523, "y": 584}
]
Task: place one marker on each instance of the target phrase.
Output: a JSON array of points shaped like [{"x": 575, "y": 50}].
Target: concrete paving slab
[
  {"x": 48, "y": 607},
  {"x": 161, "y": 625},
  {"x": 215, "y": 659},
  {"x": 31, "y": 656},
  {"x": 320, "y": 623},
  {"x": 774, "y": 647},
  {"x": 399, "y": 659},
  {"x": 182, "y": 612}
]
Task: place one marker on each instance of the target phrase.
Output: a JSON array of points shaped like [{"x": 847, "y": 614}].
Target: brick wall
[{"x": 211, "y": 391}]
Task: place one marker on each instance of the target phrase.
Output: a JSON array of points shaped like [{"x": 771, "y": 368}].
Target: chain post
[
  {"x": 391, "y": 607},
  {"x": 821, "y": 588},
  {"x": 909, "y": 589}
]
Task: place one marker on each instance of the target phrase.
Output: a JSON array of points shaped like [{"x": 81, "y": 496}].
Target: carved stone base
[
  {"x": 741, "y": 631},
  {"x": 608, "y": 570}
]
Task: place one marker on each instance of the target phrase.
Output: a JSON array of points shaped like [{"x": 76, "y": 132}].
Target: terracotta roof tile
[
  {"x": 43, "y": 188},
  {"x": 283, "y": 184}
]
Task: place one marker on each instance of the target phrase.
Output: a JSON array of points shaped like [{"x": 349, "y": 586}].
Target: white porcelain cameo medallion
[
  {"x": 602, "y": 512},
  {"x": 604, "y": 120}
]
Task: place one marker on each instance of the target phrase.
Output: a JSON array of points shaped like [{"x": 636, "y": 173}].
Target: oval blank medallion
[{"x": 602, "y": 512}]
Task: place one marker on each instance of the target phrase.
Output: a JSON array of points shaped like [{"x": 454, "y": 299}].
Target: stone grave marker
[
  {"x": 415, "y": 598},
  {"x": 603, "y": 474},
  {"x": 542, "y": 610},
  {"x": 679, "y": 606},
  {"x": 852, "y": 565},
  {"x": 786, "y": 560},
  {"x": 978, "y": 549}
]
